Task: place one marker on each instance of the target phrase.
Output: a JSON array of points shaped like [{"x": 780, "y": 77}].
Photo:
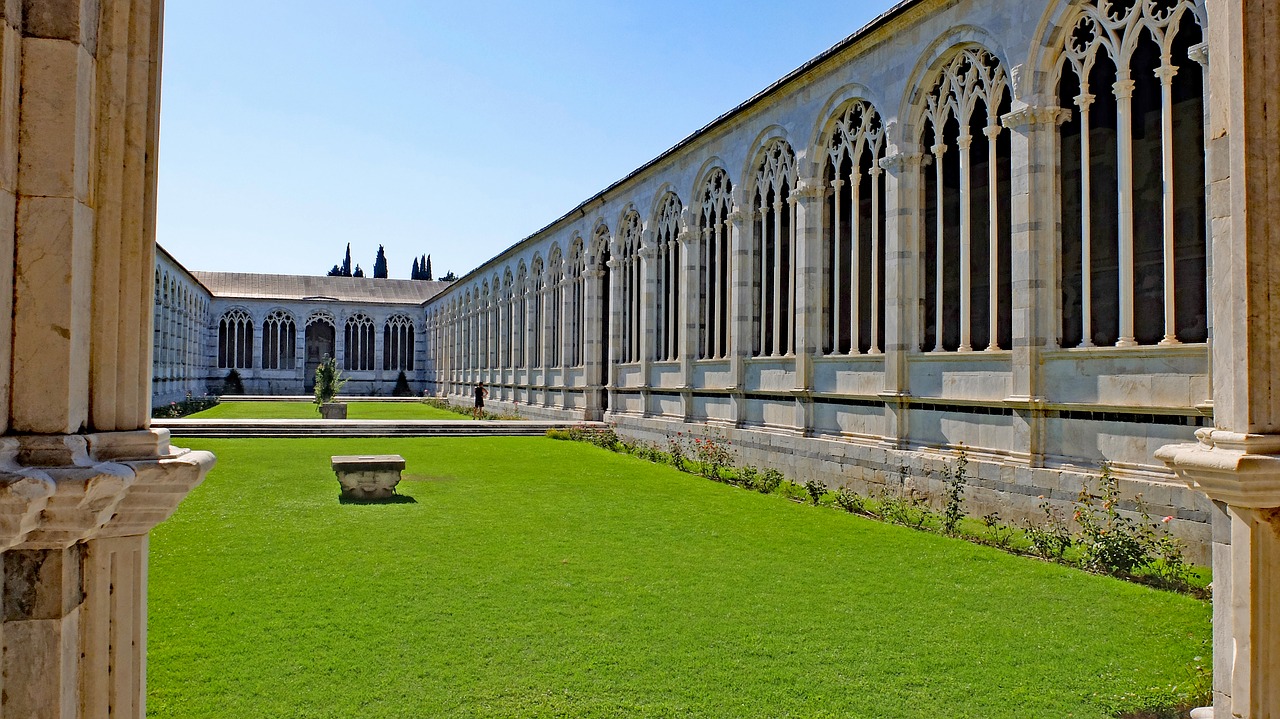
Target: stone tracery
[
  {"x": 855, "y": 228},
  {"x": 774, "y": 255}
]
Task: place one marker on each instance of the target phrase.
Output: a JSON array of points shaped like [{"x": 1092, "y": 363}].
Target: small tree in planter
[{"x": 329, "y": 382}]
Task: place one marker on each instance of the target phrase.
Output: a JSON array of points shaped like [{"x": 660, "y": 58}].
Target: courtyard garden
[{"x": 533, "y": 577}]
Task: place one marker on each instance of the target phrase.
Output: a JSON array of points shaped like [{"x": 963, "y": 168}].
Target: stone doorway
[{"x": 320, "y": 344}]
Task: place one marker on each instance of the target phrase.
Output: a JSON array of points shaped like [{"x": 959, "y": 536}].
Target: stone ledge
[{"x": 57, "y": 490}]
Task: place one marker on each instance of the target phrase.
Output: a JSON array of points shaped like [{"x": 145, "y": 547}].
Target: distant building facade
[{"x": 274, "y": 330}]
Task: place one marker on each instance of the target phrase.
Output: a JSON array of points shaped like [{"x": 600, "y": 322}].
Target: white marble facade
[
  {"x": 274, "y": 330},
  {"x": 784, "y": 276}
]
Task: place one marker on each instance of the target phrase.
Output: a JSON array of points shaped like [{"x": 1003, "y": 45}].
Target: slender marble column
[{"x": 1124, "y": 154}]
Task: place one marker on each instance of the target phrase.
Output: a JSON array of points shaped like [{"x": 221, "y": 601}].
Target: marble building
[
  {"x": 1027, "y": 231},
  {"x": 274, "y": 330}
]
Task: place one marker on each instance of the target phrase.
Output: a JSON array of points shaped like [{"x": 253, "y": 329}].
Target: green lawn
[
  {"x": 307, "y": 410},
  {"x": 532, "y": 577}
]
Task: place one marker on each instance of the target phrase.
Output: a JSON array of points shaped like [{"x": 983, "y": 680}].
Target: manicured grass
[
  {"x": 539, "y": 578},
  {"x": 307, "y": 410}
]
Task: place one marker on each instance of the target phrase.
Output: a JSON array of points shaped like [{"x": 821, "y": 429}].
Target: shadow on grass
[{"x": 393, "y": 499}]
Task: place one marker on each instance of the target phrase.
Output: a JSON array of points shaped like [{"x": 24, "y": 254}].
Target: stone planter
[
  {"x": 369, "y": 476},
  {"x": 333, "y": 410}
]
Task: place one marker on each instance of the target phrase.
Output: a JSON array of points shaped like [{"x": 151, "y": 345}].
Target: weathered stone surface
[{"x": 368, "y": 477}]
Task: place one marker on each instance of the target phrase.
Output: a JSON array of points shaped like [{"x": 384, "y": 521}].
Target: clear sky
[{"x": 292, "y": 127}]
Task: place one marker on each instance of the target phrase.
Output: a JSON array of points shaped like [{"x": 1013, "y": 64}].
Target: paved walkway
[{"x": 360, "y": 427}]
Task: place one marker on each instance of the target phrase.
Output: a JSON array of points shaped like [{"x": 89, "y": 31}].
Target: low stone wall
[{"x": 994, "y": 484}]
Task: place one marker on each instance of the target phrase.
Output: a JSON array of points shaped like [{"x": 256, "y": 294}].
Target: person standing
[{"x": 479, "y": 393}]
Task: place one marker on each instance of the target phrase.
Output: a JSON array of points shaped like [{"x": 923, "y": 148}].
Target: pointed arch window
[
  {"x": 508, "y": 329},
  {"x": 667, "y": 260},
  {"x": 632, "y": 287},
  {"x": 358, "y": 343},
  {"x": 397, "y": 344},
  {"x": 968, "y": 243},
  {"x": 774, "y": 252},
  {"x": 853, "y": 246},
  {"x": 518, "y": 332},
  {"x": 279, "y": 341},
  {"x": 235, "y": 340},
  {"x": 555, "y": 310},
  {"x": 713, "y": 263},
  {"x": 1134, "y": 247},
  {"x": 537, "y": 313},
  {"x": 577, "y": 304}
]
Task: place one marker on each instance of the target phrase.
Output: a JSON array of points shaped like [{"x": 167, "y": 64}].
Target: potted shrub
[{"x": 329, "y": 382}]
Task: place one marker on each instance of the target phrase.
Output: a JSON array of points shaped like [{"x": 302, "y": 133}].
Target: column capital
[
  {"x": 898, "y": 162},
  {"x": 1242, "y": 470},
  {"x": 1124, "y": 88},
  {"x": 1166, "y": 72},
  {"x": 808, "y": 188},
  {"x": 1199, "y": 53},
  {"x": 1031, "y": 115}
]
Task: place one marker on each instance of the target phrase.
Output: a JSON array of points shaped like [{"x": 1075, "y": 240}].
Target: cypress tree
[
  {"x": 380, "y": 264},
  {"x": 346, "y": 262},
  {"x": 426, "y": 267},
  {"x": 413, "y": 275},
  {"x": 357, "y": 272}
]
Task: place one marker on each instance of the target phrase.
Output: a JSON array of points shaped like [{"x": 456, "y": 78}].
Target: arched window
[
  {"x": 667, "y": 257},
  {"x": 279, "y": 341},
  {"x": 555, "y": 308},
  {"x": 494, "y": 335},
  {"x": 482, "y": 326},
  {"x": 508, "y": 310},
  {"x": 397, "y": 344},
  {"x": 518, "y": 332},
  {"x": 538, "y": 297},
  {"x": 1134, "y": 239},
  {"x": 853, "y": 250},
  {"x": 235, "y": 340},
  {"x": 358, "y": 343},
  {"x": 774, "y": 252},
  {"x": 713, "y": 262},
  {"x": 632, "y": 287},
  {"x": 968, "y": 250},
  {"x": 577, "y": 303}
]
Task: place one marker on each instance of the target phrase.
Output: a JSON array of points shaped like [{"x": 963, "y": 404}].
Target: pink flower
[{"x": 1166, "y": 520}]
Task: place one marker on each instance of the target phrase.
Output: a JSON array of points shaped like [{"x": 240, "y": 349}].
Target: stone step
[{"x": 247, "y": 428}]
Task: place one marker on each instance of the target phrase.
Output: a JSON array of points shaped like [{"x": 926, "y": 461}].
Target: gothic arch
[
  {"x": 966, "y": 257},
  {"x": 824, "y": 122},
  {"x": 759, "y": 146},
  {"x": 941, "y": 52},
  {"x": 710, "y": 167}
]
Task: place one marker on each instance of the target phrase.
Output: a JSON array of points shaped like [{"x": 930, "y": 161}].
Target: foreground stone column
[
  {"x": 1237, "y": 463},
  {"x": 901, "y": 311},
  {"x": 82, "y": 479}
]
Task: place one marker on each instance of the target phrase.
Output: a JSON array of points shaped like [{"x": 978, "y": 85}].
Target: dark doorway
[{"x": 319, "y": 338}]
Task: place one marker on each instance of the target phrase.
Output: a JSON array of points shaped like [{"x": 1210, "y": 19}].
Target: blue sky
[{"x": 290, "y": 128}]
